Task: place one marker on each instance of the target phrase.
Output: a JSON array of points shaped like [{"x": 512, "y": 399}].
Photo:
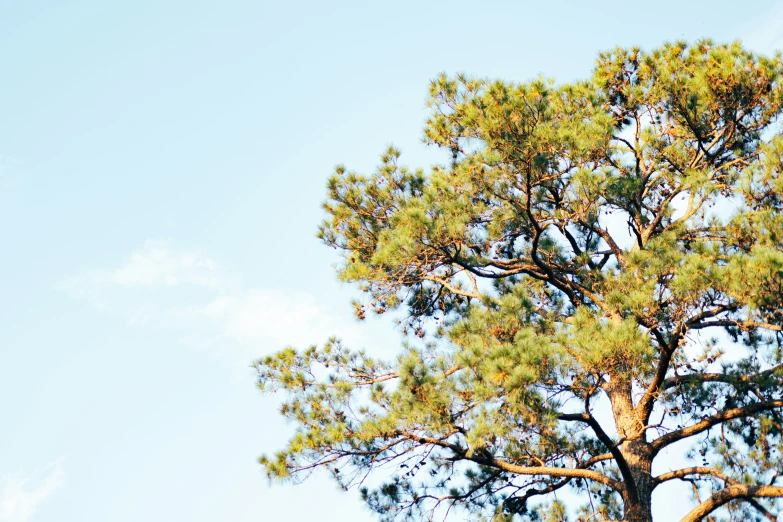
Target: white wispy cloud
[
  {"x": 163, "y": 286},
  {"x": 21, "y": 494},
  {"x": 155, "y": 265},
  {"x": 277, "y": 316}
]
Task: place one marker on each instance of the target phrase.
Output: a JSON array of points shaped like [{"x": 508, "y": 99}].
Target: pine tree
[{"x": 613, "y": 245}]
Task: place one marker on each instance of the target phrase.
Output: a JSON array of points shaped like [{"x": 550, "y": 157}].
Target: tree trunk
[
  {"x": 638, "y": 512},
  {"x": 638, "y": 499}
]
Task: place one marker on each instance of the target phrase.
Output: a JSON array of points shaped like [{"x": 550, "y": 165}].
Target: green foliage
[{"x": 532, "y": 306}]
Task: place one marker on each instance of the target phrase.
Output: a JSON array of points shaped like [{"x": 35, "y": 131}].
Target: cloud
[
  {"x": 188, "y": 291},
  {"x": 278, "y": 317},
  {"x": 21, "y": 495},
  {"x": 155, "y": 265}
]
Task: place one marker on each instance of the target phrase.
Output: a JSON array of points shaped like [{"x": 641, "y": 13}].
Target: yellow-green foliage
[{"x": 579, "y": 240}]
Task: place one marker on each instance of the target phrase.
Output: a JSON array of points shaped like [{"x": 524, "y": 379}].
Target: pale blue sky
[{"x": 162, "y": 163}]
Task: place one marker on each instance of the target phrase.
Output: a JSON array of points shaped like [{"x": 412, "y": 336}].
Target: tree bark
[
  {"x": 636, "y": 452},
  {"x": 638, "y": 496}
]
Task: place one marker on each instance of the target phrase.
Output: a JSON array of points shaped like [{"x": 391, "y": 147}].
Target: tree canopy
[{"x": 596, "y": 275}]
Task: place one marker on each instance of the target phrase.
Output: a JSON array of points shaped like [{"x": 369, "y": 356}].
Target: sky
[{"x": 162, "y": 166}]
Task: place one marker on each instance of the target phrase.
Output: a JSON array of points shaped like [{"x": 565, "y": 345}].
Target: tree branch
[
  {"x": 461, "y": 454},
  {"x": 647, "y": 402},
  {"x": 679, "y": 380},
  {"x": 696, "y": 470},
  {"x": 612, "y": 446},
  {"x": 734, "y": 492},
  {"x": 761, "y": 509},
  {"x": 711, "y": 421},
  {"x": 553, "y": 487},
  {"x": 745, "y": 325}
]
